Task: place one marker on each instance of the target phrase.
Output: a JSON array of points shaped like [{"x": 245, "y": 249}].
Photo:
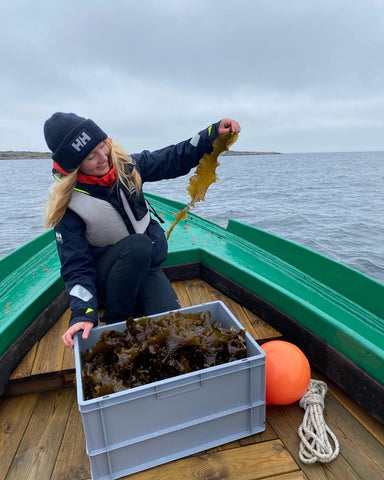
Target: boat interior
[{"x": 42, "y": 434}]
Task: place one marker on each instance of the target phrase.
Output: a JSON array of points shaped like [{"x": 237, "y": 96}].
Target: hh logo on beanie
[{"x": 81, "y": 141}]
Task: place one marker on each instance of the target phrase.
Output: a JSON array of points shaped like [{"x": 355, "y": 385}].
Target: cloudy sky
[{"x": 299, "y": 75}]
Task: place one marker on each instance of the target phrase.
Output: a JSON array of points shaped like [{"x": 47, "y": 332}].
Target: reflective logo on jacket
[{"x": 104, "y": 224}]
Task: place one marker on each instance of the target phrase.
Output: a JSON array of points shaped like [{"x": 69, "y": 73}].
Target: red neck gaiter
[{"x": 106, "y": 181}]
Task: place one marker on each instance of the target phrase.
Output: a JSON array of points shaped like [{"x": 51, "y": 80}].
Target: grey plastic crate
[{"x": 142, "y": 427}]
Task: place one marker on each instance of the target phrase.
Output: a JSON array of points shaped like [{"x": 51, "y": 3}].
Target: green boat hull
[{"x": 29, "y": 281}]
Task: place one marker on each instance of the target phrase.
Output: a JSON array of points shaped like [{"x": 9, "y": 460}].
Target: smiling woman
[{"x": 109, "y": 246}]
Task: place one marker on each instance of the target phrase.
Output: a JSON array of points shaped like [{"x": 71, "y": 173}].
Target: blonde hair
[{"x": 61, "y": 194}]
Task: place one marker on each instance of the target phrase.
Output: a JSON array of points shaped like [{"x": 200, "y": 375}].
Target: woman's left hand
[{"x": 227, "y": 125}]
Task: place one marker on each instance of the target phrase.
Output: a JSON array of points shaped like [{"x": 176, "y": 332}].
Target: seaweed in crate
[{"x": 151, "y": 350}]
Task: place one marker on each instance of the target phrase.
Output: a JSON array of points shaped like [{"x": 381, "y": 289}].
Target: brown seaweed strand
[{"x": 204, "y": 176}]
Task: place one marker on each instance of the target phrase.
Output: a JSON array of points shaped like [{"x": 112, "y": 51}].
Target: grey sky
[{"x": 299, "y": 76}]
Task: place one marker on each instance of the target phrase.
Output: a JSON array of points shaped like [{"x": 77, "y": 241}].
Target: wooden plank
[
  {"x": 37, "y": 452},
  {"x": 197, "y": 291},
  {"x": 14, "y": 418},
  {"x": 360, "y": 449},
  {"x": 264, "y": 330},
  {"x": 182, "y": 294},
  {"x": 290, "y": 476},
  {"x": 68, "y": 360},
  {"x": 234, "y": 307},
  {"x": 68, "y": 354},
  {"x": 72, "y": 461},
  {"x": 48, "y": 366},
  {"x": 29, "y": 365},
  {"x": 63, "y": 322},
  {"x": 24, "y": 369},
  {"x": 373, "y": 426},
  {"x": 361, "y": 455},
  {"x": 50, "y": 351},
  {"x": 252, "y": 462}
]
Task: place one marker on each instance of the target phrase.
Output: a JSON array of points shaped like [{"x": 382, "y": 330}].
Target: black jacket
[{"x": 78, "y": 267}]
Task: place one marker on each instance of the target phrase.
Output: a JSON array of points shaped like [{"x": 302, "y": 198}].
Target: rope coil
[{"x": 318, "y": 442}]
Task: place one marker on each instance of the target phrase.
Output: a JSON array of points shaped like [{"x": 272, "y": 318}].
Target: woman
[{"x": 109, "y": 245}]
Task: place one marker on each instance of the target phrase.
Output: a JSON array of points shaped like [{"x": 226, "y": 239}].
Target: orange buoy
[{"x": 287, "y": 372}]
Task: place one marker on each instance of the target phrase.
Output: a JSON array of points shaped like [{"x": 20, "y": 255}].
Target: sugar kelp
[
  {"x": 149, "y": 350},
  {"x": 204, "y": 176}
]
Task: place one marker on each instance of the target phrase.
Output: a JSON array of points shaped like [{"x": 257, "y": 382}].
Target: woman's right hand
[
  {"x": 227, "y": 125},
  {"x": 77, "y": 327}
]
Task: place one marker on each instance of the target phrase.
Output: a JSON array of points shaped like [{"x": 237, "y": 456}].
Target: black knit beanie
[{"x": 71, "y": 138}]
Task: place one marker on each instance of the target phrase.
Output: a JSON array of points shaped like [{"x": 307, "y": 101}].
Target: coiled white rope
[{"x": 318, "y": 442}]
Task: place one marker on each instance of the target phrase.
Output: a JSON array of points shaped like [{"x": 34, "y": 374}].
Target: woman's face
[{"x": 97, "y": 162}]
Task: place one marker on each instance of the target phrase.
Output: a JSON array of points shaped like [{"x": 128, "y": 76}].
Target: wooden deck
[{"x": 42, "y": 435}]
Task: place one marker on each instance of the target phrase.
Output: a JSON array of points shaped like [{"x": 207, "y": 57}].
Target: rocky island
[
  {"x": 12, "y": 154},
  {"x": 234, "y": 152}
]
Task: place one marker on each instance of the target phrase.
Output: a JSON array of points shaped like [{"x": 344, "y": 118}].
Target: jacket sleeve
[
  {"x": 77, "y": 268},
  {"x": 175, "y": 160}
]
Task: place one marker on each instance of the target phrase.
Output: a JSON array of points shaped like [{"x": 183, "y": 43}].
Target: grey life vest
[{"x": 104, "y": 224}]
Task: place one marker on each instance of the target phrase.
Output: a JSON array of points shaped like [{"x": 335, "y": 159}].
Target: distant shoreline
[
  {"x": 13, "y": 154},
  {"x": 234, "y": 152}
]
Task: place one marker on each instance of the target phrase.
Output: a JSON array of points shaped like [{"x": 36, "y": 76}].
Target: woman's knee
[
  {"x": 157, "y": 294},
  {"x": 130, "y": 257},
  {"x": 135, "y": 248}
]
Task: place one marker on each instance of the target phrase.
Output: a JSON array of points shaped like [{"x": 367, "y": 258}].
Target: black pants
[{"x": 127, "y": 285}]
